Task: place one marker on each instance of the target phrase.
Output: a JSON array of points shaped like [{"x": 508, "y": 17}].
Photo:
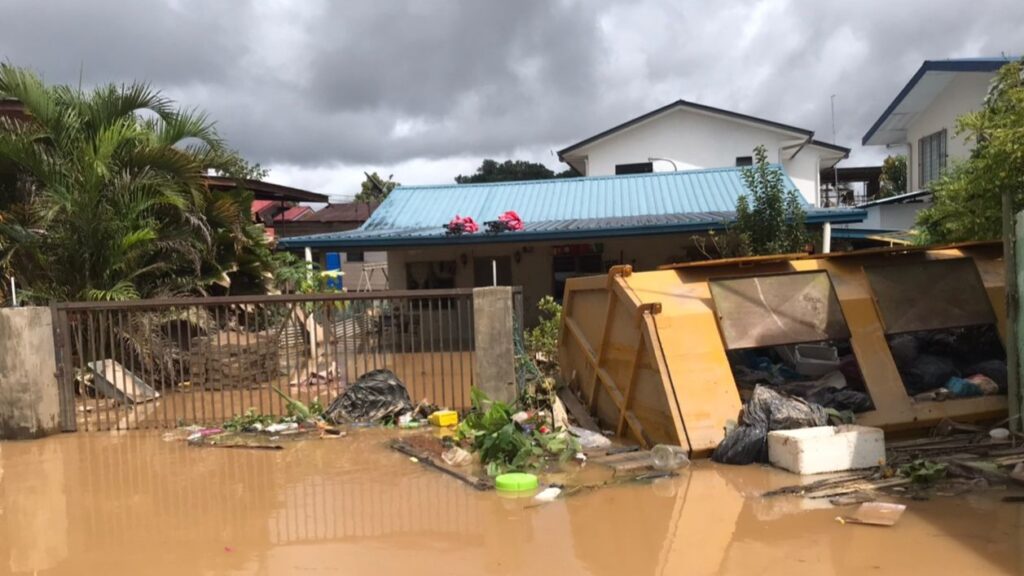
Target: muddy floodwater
[{"x": 131, "y": 503}]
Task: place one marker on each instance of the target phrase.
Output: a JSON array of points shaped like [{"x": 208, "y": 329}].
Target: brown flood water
[{"x": 130, "y": 503}]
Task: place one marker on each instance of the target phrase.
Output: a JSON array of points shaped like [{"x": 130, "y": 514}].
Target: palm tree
[{"x": 102, "y": 196}]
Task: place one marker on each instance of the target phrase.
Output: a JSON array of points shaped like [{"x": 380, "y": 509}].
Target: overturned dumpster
[{"x": 664, "y": 356}]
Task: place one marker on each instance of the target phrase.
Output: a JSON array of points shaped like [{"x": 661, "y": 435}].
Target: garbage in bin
[
  {"x": 766, "y": 411},
  {"x": 377, "y": 395}
]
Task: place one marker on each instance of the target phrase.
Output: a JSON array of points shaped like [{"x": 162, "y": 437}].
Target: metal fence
[{"x": 165, "y": 363}]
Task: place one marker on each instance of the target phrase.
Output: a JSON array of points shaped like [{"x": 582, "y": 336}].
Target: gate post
[
  {"x": 29, "y": 396},
  {"x": 494, "y": 357}
]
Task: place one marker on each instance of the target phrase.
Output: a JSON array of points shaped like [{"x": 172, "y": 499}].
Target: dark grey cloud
[{"x": 318, "y": 83}]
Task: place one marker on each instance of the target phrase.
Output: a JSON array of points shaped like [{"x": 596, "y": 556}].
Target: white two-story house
[
  {"x": 686, "y": 135},
  {"x": 921, "y": 121}
]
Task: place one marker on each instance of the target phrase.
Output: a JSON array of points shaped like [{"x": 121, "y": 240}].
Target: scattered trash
[
  {"x": 999, "y": 433},
  {"x": 1017, "y": 475},
  {"x": 548, "y": 494},
  {"x": 444, "y": 418},
  {"x": 281, "y": 427},
  {"x": 512, "y": 441},
  {"x": 377, "y": 395},
  {"x": 665, "y": 457},
  {"x": 588, "y": 439},
  {"x": 875, "y": 514},
  {"x": 826, "y": 449},
  {"x": 934, "y": 365},
  {"x": 417, "y": 454},
  {"x": 766, "y": 411},
  {"x": 515, "y": 482},
  {"x": 958, "y": 458},
  {"x": 456, "y": 456}
]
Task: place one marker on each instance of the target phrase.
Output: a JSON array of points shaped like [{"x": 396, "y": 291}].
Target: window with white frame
[{"x": 931, "y": 157}]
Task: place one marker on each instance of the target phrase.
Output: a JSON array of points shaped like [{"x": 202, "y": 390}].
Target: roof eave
[
  {"x": 334, "y": 241},
  {"x": 682, "y": 104},
  {"x": 979, "y": 65}
]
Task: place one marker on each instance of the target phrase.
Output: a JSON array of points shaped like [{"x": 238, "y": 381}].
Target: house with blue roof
[{"x": 571, "y": 227}]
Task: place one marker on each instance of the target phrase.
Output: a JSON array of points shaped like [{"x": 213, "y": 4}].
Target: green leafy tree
[
  {"x": 894, "y": 176},
  {"x": 376, "y": 189},
  {"x": 968, "y": 197},
  {"x": 103, "y": 197},
  {"x": 542, "y": 340},
  {"x": 511, "y": 171},
  {"x": 771, "y": 219}
]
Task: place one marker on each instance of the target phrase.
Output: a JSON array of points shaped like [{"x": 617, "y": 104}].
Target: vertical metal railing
[{"x": 168, "y": 362}]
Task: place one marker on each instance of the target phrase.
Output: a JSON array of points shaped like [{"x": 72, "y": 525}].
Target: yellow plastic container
[{"x": 443, "y": 418}]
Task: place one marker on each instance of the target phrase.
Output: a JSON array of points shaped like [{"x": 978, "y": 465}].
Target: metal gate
[{"x": 168, "y": 362}]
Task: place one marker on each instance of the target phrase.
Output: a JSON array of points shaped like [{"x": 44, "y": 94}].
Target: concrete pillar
[
  {"x": 29, "y": 400},
  {"x": 495, "y": 363}
]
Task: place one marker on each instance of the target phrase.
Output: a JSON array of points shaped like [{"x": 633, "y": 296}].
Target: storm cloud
[{"x": 424, "y": 89}]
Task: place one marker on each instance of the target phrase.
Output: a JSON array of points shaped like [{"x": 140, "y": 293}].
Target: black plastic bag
[
  {"x": 377, "y": 395},
  {"x": 766, "y": 411},
  {"x": 927, "y": 372},
  {"x": 841, "y": 399}
]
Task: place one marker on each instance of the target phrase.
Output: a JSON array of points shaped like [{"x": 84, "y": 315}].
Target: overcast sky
[{"x": 319, "y": 91}]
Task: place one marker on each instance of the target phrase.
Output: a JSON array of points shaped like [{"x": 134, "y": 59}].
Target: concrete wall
[
  {"x": 495, "y": 368},
  {"x": 29, "y": 400},
  {"x": 964, "y": 93},
  {"x": 698, "y": 140}
]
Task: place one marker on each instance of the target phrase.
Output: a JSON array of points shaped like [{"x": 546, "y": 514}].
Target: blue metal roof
[
  {"x": 560, "y": 209},
  {"x": 951, "y": 65}
]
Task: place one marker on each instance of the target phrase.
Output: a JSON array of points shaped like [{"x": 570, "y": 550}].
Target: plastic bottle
[{"x": 666, "y": 457}]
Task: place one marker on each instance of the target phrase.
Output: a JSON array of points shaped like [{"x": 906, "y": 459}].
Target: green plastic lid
[{"x": 515, "y": 482}]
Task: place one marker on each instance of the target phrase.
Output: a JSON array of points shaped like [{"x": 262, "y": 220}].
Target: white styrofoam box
[{"x": 826, "y": 448}]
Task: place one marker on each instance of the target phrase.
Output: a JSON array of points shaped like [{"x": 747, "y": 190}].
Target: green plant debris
[
  {"x": 922, "y": 471},
  {"x": 505, "y": 445},
  {"x": 294, "y": 407},
  {"x": 250, "y": 420}
]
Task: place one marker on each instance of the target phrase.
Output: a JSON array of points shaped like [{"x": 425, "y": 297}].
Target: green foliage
[
  {"x": 543, "y": 339},
  {"x": 894, "y": 176},
  {"x": 102, "y": 197},
  {"x": 771, "y": 219},
  {"x": 247, "y": 421},
  {"x": 922, "y": 471},
  {"x": 510, "y": 171},
  {"x": 294, "y": 274},
  {"x": 502, "y": 445},
  {"x": 375, "y": 188},
  {"x": 296, "y": 408},
  {"x": 968, "y": 196}
]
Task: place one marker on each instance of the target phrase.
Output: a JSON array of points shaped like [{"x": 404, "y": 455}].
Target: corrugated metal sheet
[{"x": 648, "y": 203}]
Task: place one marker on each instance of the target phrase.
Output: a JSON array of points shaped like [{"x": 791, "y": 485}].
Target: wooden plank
[{"x": 577, "y": 411}]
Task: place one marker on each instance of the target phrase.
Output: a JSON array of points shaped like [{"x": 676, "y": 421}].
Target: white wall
[
  {"x": 964, "y": 93},
  {"x": 901, "y": 216},
  {"x": 890, "y": 216},
  {"x": 698, "y": 140}
]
